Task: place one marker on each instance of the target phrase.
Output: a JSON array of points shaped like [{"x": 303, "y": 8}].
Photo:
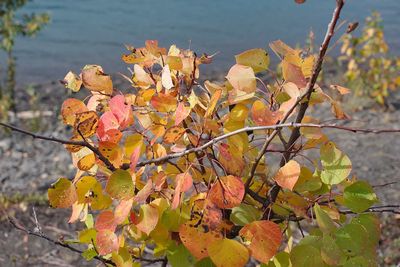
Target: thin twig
[
  {"x": 84, "y": 143},
  {"x": 58, "y": 243}
]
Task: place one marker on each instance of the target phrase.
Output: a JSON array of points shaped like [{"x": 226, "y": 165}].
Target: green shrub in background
[
  {"x": 11, "y": 26},
  {"x": 370, "y": 70}
]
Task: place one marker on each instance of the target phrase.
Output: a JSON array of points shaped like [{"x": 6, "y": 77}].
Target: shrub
[
  {"x": 187, "y": 170},
  {"x": 370, "y": 70}
]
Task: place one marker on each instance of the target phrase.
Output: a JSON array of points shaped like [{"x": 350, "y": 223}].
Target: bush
[
  {"x": 370, "y": 70},
  {"x": 173, "y": 171}
]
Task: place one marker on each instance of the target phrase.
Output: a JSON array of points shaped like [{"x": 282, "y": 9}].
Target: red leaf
[
  {"x": 106, "y": 242},
  {"x": 227, "y": 192},
  {"x": 105, "y": 221}
]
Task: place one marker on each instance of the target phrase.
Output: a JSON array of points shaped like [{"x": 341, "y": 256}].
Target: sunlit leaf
[
  {"x": 106, "y": 242},
  {"x": 359, "y": 196},
  {"x": 242, "y": 78},
  {"x": 94, "y": 79},
  {"x": 265, "y": 237},
  {"x": 336, "y": 165},
  {"x": 120, "y": 185},
  {"x": 257, "y": 59},
  {"x": 72, "y": 82},
  {"x": 196, "y": 240},
  {"x": 122, "y": 211},
  {"x": 86, "y": 123},
  {"x": 70, "y": 108},
  {"x": 228, "y": 252},
  {"x": 263, "y": 116},
  {"x": 62, "y": 194},
  {"x": 105, "y": 221},
  {"x": 288, "y": 175},
  {"x": 148, "y": 218},
  {"x": 227, "y": 192}
]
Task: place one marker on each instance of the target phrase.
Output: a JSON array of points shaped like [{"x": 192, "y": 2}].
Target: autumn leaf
[
  {"x": 227, "y": 192},
  {"x": 94, "y": 79},
  {"x": 257, "y": 59},
  {"x": 265, "y": 238},
  {"x": 72, "y": 81},
  {"x": 242, "y": 78},
  {"x": 70, "y": 108},
  {"x": 288, "y": 175},
  {"x": 228, "y": 252},
  {"x": 120, "y": 185},
  {"x": 62, "y": 194},
  {"x": 106, "y": 242}
]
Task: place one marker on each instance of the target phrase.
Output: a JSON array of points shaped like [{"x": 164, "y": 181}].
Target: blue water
[{"x": 94, "y": 31}]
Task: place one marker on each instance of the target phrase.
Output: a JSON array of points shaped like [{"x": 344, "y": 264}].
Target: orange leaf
[
  {"x": 95, "y": 79},
  {"x": 183, "y": 182},
  {"x": 288, "y": 175},
  {"x": 181, "y": 113},
  {"x": 196, "y": 240},
  {"x": 173, "y": 134},
  {"x": 106, "y": 242},
  {"x": 265, "y": 238},
  {"x": 227, "y": 192},
  {"x": 70, "y": 108},
  {"x": 105, "y": 221},
  {"x": 62, "y": 194},
  {"x": 164, "y": 102},
  {"x": 262, "y": 116},
  {"x": 122, "y": 210},
  {"x": 86, "y": 123},
  {"x": 242, "y": 78}
]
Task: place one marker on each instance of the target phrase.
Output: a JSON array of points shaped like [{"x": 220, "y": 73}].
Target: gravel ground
[{"x": 30, "y": 166}]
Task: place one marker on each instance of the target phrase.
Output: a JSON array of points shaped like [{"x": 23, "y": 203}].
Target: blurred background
[{"x": 95, "y": 31}]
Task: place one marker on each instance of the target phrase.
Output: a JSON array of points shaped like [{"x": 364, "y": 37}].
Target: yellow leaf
[
  {"x": 228, "y": 252},
  {"x": 256, "y": 58}
]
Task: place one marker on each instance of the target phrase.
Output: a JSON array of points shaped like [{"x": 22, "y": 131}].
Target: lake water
[{"x": 94, "y": 31}]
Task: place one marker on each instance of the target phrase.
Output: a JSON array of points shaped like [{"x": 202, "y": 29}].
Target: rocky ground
[{"x": 29, "y": 166}]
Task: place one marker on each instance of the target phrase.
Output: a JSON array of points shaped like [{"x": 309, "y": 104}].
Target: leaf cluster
[{"x": 141, "y": 183}]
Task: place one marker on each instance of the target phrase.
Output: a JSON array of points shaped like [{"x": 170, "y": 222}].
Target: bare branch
[
  {"x": 58, "y": 243},
  {"x": 84, "y": 143}
]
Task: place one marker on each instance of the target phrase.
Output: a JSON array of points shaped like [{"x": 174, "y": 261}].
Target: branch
[
  {"x": 259, "y": 128},
  {"x": 273, "y": 194},
  {"x": 58, "y": 243},
  {"x": 84, "y": 143},
  {"x": 209, "y": 143}
]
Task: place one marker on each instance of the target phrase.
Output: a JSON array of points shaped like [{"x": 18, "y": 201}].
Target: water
[{"x": 94, "y": 31}]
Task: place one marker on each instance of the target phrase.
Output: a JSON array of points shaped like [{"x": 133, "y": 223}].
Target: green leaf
[
  {"x": 358, "y": 262},
  {"x": 87, "y": 236},
  {"x": 352, "y": 239},
  {"x": 306, "y": 256},
  {"x": 244, "y": 214},
  {"x": 282, "y": 259},
  {"x": 228, "y": 252},
  {"x": 330, "y": 251},
  {"x": 62, "y": 194},
  {"x": 206, "y": 262},
  {"x": 307, "y": 182},
  {"x": 179, "y": 256},
  {"x": 256, "y": 58},
  {"x": 324, "y": 222},
  {"x": 120, "y": 185},
  {"x": 371, "y": 223},
  {"x": 336, "y": 165},
  {"x": 359, "y": 196},
  {"x": 89, "y": 254}
]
